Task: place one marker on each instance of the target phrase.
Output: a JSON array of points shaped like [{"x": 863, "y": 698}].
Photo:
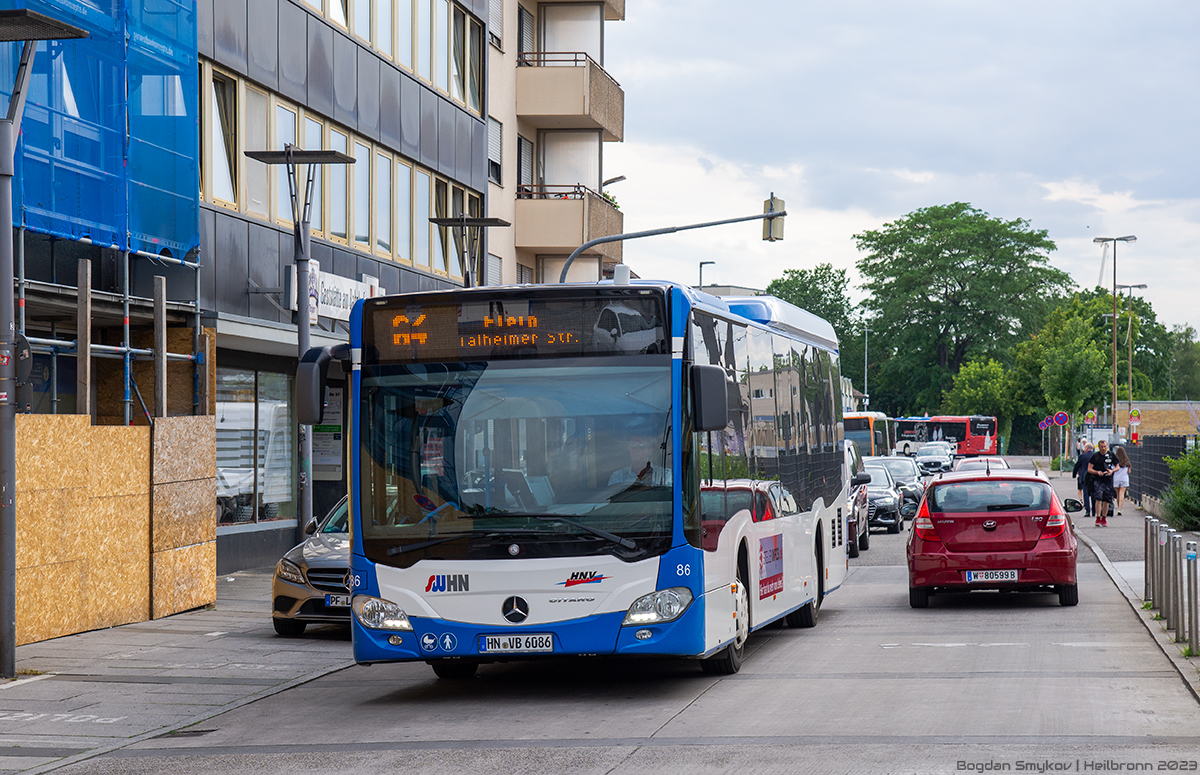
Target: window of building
[
  {"x": 404, "y": 33},
  {"x": 362, "y": 19},
  {"x": 362, "y": 195},
  {"x": 403, "y": 211},
  {"x": 337, "y": 12},
  {"x": 339, "y": 190},
  {"x": 571, "y": 158},
  {"x": 285, "y": 134},
  {"x": 458, "y": 56},
  {"x": 441, "y": 48},
  {"x": 491, "y": 275},
  {"x": 526, "y": 33},
  {"x": 441, "y": 202},
  {"x": 223, "y": 143},
  {"x": 495, "y": 151},
  {"x": 383, "y": 203},
  {"x": 383, "y": 26},
  {"x": 574, "y": 27},
  {"x": 255, "y": 454},
  {"x": 422, "y": 228},
  {"x": 524, "y": 161},
  {"x": 257, "y": 122},
  {"x": 524, "y": 274},
  {"x": 496, "y": 23},
  {"x": 314, "y": 140},
  {"x": 424, "y": 33},
  {"x": 475, "y": 66},
  {"x": 466, "y": 65}
]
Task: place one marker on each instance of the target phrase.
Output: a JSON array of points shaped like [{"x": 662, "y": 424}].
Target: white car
[{"x": 627, "y": 330}]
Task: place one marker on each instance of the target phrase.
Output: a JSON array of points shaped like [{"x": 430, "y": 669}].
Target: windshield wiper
[
  {"x": 616, "y": 539},
  {"x": 402, "y": 548},
  {"x": 1008, "y": 506}
]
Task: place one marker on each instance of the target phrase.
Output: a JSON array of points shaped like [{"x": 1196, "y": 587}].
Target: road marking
[{"x": 29, "y": 680}]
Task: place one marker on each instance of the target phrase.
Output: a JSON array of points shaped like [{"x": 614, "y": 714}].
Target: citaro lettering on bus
[{"x": 456, "y": 582}]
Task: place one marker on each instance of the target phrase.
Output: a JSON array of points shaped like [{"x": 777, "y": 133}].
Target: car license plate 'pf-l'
[
  {"x": 516, "y": 644},
  {"x": 337, "y": 601},
  {"x": 976, "y": 576}
]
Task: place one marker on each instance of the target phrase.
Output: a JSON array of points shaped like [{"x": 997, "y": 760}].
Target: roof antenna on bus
[{"x": 621, "y": 274}]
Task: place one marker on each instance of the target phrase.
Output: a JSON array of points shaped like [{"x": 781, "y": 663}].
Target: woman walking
[{"x": 1121, "y": 477}]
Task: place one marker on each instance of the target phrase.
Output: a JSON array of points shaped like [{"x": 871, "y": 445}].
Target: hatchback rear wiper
[{"x": 1008, "y": 506}]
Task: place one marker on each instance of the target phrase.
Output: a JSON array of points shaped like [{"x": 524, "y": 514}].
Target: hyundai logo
[
  {"x": 515, "y": 609},
  {"x": 989, "y": 525}
]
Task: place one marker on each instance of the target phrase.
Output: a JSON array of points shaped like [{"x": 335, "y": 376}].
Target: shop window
[{"x": 254, "y": 449}]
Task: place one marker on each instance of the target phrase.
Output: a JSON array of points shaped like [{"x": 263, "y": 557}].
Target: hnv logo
[
  {"x": 583, "y": 577},
  {"x": 458, "y": 582}
]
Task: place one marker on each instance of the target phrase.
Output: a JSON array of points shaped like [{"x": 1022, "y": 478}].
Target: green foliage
[
  {"x": 949, "y": 283},
  {"x": 1181, "y": 501},
  {"x": 980, "y": 387},
  {"x": 1073, "y": 369},
  {"x": 822, "y": 291},
  {"x": 1184, "y": 372}
]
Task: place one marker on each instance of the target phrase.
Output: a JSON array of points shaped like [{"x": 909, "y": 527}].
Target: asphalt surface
[{"x": 974, "y": 680}]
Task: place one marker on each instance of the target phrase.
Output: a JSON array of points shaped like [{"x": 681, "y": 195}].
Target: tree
[
  {"x": 822, "y": 291},
  {"x": 1073, "y": 368},
  {"x": 1184, "y": 374},
  {"x": 983, "y": 387},
  {"x": 948, "y": 283}
]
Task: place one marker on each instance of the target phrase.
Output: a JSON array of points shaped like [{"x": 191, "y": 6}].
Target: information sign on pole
[
  {"x": 1135, "y": 416},
  {"x": 1090, "y": 417}
]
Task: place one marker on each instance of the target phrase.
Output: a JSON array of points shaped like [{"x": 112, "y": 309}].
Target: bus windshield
[{"x": 546, "y": 458}]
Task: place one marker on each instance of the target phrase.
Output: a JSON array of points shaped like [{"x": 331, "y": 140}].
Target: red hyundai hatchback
[{"x": 1007, "y": 531}]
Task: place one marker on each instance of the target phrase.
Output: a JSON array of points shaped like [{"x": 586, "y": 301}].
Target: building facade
[{"x": 552, "y": 109}]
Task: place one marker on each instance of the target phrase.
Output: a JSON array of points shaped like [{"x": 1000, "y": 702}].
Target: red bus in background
[{"x": 972, "y": 435}]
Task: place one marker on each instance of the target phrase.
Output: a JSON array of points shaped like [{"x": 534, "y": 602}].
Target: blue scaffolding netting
[{"x": 110, "y": 137}]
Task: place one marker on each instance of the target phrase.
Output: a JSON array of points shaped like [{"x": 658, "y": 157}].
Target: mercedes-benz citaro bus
[{"x": 603, "y": 469}]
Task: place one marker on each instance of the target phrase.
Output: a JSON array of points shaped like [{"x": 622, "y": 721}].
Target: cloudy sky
[{"x": 1081, "y": 117}]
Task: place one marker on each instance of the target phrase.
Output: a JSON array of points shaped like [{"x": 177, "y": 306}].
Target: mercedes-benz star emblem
[{"x": 515, "y": 609}]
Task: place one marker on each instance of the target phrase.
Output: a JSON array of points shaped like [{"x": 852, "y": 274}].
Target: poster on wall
[{"x": 327, "y": 443}]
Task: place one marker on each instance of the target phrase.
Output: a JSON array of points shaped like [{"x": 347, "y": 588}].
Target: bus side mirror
[
  {"x": 311, "y": 375},
  {"x": 710, "y": 398},
  {"x": 879, "y": 439}
]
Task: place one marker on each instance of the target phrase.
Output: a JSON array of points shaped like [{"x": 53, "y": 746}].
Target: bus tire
[
  {"x": 806, "y": 615},
  {"x": 454, "y": 669},
  {"x": 728, "y": 660}
]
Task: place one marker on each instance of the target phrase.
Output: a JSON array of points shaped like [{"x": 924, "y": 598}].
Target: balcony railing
[{"x": 556, "y": 219}]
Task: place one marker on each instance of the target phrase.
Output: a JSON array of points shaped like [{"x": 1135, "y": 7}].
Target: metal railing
[
  {"x": 557, "y": 191},
  {"x": 1149, "y": 474},
  {"x": 560, "y": 59},
  {"x": 1170, "y": 583}
]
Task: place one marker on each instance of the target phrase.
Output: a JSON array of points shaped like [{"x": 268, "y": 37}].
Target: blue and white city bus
[{"x": 637, "y": 469}]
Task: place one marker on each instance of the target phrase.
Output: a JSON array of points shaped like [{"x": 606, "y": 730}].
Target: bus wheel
[
  {"x": 453, "y": 669},
  {"x": 729, "y": 660},
  {"x": 806, "y": 615}
]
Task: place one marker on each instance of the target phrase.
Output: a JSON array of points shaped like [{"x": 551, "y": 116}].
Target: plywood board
[
  {"x": 52, "y": 451},
  {"x": 49, "y": 601},
  {"x": 183, "y": 513},
  {"x": 116, "y": 589},
  {"x": 185, "y": 449},
  {"x": 119, "y": 463},
  {"x": 51, "y": 526},
  {"x": 184, "y": 578}
]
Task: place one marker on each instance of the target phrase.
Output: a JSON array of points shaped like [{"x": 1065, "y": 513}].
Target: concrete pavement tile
[{"x": 18, "y": 763}]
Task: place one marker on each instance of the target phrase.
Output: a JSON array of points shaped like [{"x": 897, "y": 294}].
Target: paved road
[{"x": 876, "y": 687}]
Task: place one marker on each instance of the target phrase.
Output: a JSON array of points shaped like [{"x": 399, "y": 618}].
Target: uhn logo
[{"x": 460, "y": 582}]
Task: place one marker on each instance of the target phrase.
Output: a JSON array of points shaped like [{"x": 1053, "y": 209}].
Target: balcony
[
  {"x": 614, "y": 10},
  {"x": 568, "y": 90},
  {"x": 554, "y": 220}
]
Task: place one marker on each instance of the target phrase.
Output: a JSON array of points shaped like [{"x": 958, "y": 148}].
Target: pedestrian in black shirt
[
  {"x": 1080, "y": 472},
  {"x": 1101, "y": 468}
]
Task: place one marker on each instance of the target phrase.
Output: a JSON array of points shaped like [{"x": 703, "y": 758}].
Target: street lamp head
[
  {"x": 298, "y": 156},
  {"x": 1126, "y": 238}
]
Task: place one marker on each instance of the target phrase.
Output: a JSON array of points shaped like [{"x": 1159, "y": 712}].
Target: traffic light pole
[{"x": 770, "y": 215}]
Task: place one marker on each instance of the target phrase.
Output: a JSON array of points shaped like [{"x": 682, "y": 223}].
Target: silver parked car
[{"x": 311, "y": 583}]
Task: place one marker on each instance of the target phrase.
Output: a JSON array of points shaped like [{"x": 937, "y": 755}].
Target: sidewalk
[
  {"x": 1120, "y": 548},
  {"x": 86, "y": 694}
]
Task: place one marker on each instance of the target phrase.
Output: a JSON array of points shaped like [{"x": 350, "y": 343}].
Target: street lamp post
[
  {"x": 1129, "y": 337},
  {"x": 702, "y": 263},
  {"x": 293, "y": 156},
  {"x": 28, "y": 27},
  {"x": 1114, "y": 241}
]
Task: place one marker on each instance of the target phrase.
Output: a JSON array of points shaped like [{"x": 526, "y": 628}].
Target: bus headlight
[
  {"x": 380, "y": 614},
  {"x": 665, "y": 605}
]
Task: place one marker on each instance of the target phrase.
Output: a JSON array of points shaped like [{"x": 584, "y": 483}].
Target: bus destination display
[{"x": 530, "y": 328}]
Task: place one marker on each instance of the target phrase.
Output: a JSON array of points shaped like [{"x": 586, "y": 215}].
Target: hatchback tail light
[
  {"x": 923, "y": 524},
  {"x": 1056, "y": 523}
]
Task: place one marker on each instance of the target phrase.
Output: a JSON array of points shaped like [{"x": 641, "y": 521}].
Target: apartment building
[{"x": 552, "y": 108}]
